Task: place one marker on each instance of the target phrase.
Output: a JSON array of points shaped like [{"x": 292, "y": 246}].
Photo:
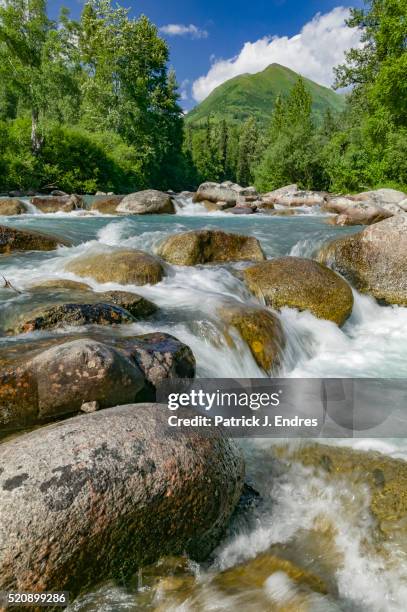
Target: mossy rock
[
  {"x": 12, "y": 206},
  {"x": 260, "y": 329},
  {"x": 209, "y": 246},
  {"x": 22, "y": 240},
  {"x": 385, "y": 477},
  {"x": 254, "y": 573},
  {"x": 303, "y": 284},
  {"x": 373, "y": 260},
  {"x": 126, "y": 267}
]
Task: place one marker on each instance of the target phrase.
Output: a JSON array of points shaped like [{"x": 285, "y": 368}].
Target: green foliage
[
  {"x": 70, "y": 158},
  {"x": 292, "y": 154},
  {"x": 247, "y": 154},
  {"x": 107, "y": 78}
]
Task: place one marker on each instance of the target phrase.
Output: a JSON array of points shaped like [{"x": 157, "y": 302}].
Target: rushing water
[{"x": 373, "y": 343}]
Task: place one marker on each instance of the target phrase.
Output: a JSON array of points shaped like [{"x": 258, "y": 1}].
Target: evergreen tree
[{"x": 248, "y": 143}]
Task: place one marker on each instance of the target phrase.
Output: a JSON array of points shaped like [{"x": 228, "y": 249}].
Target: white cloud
[
  {"x": 313, "y": 53},
  {"x": 179, "y": 29}
]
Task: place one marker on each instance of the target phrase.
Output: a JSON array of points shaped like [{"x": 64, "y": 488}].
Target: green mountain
[{"x": 254, "y": 94}]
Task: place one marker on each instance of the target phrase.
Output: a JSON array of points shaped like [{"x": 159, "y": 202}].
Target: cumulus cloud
[
  {"x": 313, "y": 52},
  {"x": 179, "y": 29}
]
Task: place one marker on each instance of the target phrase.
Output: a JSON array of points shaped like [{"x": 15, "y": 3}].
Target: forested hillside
[
  {"x": 91, "y": 105},
  {"x": 254, "y": 95}
]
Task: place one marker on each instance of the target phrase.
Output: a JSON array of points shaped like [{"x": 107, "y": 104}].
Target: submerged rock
[
  {"x": 11, "y": 207},
  {"x": 97, "y": 496},
  {"x": 21, "y": 240},
  {"x": 303, "y": 284},
  {"x": 107, "y": 204},
  {"x": 53, "y": 204},
  {"x": 61, "y": 283},
  {"x": 136, "y": 305},
  {"x": 209, "y": 246},
  {"x": 384, "y": 477},
  {"x": 126, "y": 267},
  {"x": 241, "y": 210},
  {"x": 149, "y": 202},
  {"x": 373, "y": 260},
  {"x": 53, "y": 378},
  {"x": 74, "y": 315},
  {"x": 259, "y": 328}
]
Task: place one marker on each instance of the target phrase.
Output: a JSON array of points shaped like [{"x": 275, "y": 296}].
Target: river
[{"x": 372, "y": 343}]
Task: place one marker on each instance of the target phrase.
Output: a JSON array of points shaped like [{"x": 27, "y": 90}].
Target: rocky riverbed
[{"x": 106, "y": 297}]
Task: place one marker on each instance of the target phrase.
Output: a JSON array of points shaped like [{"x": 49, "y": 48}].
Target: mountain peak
[{"x": 250, "y": 95}]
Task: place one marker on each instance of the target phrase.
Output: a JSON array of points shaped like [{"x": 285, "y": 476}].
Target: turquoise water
[{"x": 373, "y": 343}]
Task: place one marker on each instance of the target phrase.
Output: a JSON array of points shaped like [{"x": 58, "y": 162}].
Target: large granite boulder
[
  {"x": 22, "y": 240},
  {"x": 107, "y": 205},
  {"x": 100, "y": 495},
  {"x": 53, "y": 204},
  {"x": 123, "y": 266},
  {"x": 53, "y": 378},
  {"x": 259, "y": 328},
  {"x": 148, "y": 202},
  {"x": 382, "y": 197},
  {"x": 373, "y": 260},
  {"x": 352, "y": 212},
  {"x": 209, "y": 246},
  {"x": 303, "y": 284},
  {"x": 223, "y": 192},
  {"x": 11, "y": 206}
]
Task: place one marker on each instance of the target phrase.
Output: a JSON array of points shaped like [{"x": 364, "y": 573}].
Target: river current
[{"x": 372, "y": 343}]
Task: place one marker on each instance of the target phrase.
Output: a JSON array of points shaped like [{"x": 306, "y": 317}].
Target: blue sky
[{"x": 212, "y": 40}]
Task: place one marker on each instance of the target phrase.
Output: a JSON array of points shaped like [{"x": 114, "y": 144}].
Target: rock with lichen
[
  {"x": 209, "y": 246},
  {"x": 303, "y": 284},
  {"x": 100, "y": 495}
]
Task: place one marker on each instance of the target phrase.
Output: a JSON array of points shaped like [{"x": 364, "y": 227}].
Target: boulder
[
  {"x": 126, "y": 267},
  {"x": 222, "y": 192},
  {"x": 22, "y": 240},
  {"x": 149, "y": 202},
  {"x": 260, "y": 329},
  {"x": 403, "y": 205},
  {"x": 11, "y": 206},
  {"x": 303, "y": 284},
  {"x": 382, "y": 197},
  {"x": 273, "y": 196},
  {"x": 377, "y": 478},
  {"x": 135, "y": 304},
  {"x": 241, "y": 210},
  {"x": 58, "y": 192},
  {"x": 107, "y": 204},
  {"x": 74, "y": 315},
  {"x": 52, "y": 378},
  {"x": 301, "y": 198},
  {"x": 373, "y": 260},
  {"x": 215, "y": 206},
  {"x": 61, "y": 283},
  {"x": 53, "y": 204},
  {"x": 100, "y": 495},
  {"x": 356, "y": 213},
  {"x": 209, "y": 246}
]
